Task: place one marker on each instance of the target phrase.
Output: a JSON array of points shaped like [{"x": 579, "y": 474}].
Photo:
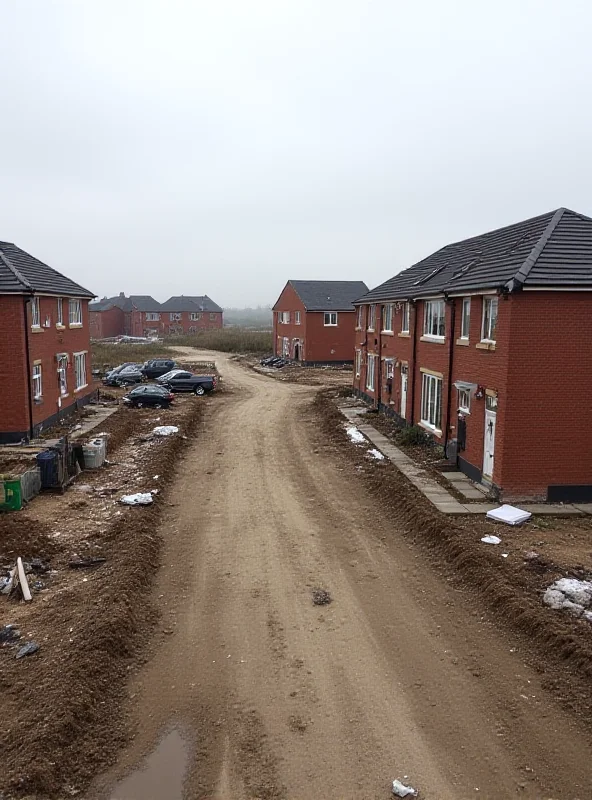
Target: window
[
  {"x": 63, "y": 373},
  {"x": 152, "y": 316},
  {"x": 75, "y": 312},
  {"x": 405, "y": 319},
  {"x": 431, "y": 401},
  {"x": 330, "y": 318},
  {"x": 174, "y": 317},
  {"x": 371, "y": 317},
  {"x": 387, "y": 322},
  {"x": 196, "y": 315},
  {"x": 35, "y": 320},
  {"x": 389, "y": 368},
  {"x": 465, "y": 321},
  {"x": 213, "y": 316},
  {"x": 434, "y": 319},
  {"x": 370, "y": 371},
  {"x": 60, "y": 317},
  {"x": 358, "y": 363},
  {"x": 37, "y": 383},
  {"x": 489, "y": 325},
  {"x": 359, "y": 315},
  {"x": 80, "y": 369},
  {"x": 297, "y": 317},
  {"x": 464, "y": 401},
  {"x": 284, "y": 317}
]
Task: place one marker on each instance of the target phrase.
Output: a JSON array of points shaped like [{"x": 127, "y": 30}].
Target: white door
[
  {"x": 404, "y": 375},
  {"x": 489, "y": 444}
]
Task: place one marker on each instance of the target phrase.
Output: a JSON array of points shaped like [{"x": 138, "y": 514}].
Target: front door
[
  {"x": 404, "y": 375},
  {"x": 296, "y": 349},
  {"x": 489, "y": 443}
]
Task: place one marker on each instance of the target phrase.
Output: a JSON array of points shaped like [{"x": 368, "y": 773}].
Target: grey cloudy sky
[{"x": 224, "y": 146}]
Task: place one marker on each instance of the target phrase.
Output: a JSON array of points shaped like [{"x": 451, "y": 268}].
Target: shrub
[{"x": 413, "y": 435}]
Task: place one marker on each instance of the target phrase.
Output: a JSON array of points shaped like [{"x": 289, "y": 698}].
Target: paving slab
[
  {"x": 451, "y": 508},
  {"x": 455, "y": 477},
  {"x": 480, "y": 508},
  {"x": 585, "y": 508},
  {"x": 469, "y": 492},
  {"x": 553, "y": 510}
]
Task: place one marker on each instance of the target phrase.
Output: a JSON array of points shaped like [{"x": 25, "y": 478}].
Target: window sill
[
  {"x": 38, "y": 401},
  {"x": 64, "y": 396},
  {"x": 404, "y": 334},
  {"x": 75, "y": 325},
  {"x": 60, "y": 327},
  {"x": 387, "y": 333},
  {"x": 485, "y": 345},
  {"x": 80, "y": 388},
  {"x": 464, "y": 342},
  {"x": 371, "y": 330},
  {"x": 430, "y": 428},
  {"x": 464, "y": 411},
  {"x": 433, "y": 339},
  {"x": 36, "y": 329}
]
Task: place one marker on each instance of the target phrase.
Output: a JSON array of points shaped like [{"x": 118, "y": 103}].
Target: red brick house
[
  {"x": 313, "y": 321},
  {"x": 136, "y": 315},
  {"x": 45, "y": 364},
  {"x": 486, "y": 345},
  {"x": 186, "y": 315}
]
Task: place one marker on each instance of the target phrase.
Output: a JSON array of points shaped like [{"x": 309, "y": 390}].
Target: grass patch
[
  {"x": 109, "y": 354},
  {"x": 228, "y": 340}
]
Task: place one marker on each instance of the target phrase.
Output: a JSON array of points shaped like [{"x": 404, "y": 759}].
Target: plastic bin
[
  {"x": 94, "y": 454},
  {"x": 13, "y": 496},
  {"x": 48, "y": 462}
]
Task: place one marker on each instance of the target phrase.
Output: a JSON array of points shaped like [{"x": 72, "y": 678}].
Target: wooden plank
[{"x": 23, "y": 580}]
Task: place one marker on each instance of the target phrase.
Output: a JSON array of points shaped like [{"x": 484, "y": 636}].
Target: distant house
[
  {"x": 136, "y": 315},
  {"x": 45, "y": 368},
  {"x": 185, "y": 314},
  {"x": 486, "y": 345},
  {"x": 314, "y": 321}
]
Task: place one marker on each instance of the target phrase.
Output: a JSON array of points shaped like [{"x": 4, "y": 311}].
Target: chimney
[{"x": 122, "y": 294}]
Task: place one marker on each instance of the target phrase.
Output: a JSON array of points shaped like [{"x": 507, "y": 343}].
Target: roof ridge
[
  {"x": 519, "y": 278},
  {"x": 18, "y": 275}
]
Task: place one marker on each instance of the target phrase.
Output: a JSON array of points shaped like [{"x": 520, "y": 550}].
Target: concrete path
[{"x": 437, "y": 494}]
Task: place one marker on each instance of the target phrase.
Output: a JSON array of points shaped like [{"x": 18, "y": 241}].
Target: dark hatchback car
[
  {"x": 153, "y": 396},
  {"x": 157, "y": 367},
  {"x": 187, "y": 382},
  {"x": 124, "y": 376}
]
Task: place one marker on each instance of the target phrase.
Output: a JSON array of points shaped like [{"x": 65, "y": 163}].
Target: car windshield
[
  {"x": 131, "y": 368},
  {"x": 156, "y": 390},
  {"x": 171, "y": 373}
]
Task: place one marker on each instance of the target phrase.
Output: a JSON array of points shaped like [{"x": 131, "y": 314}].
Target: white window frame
[
  {"x": 80, "y": 370},
  {"x": 371, "y": 318},
  {"x": 464, "y": 401},
  {"x": 434, "y": 316},
  {"x": 465, "y": 329},
  {"x": 284, "y": 317},
  {"x": 431, "y": 402},
  {"x": 358, "y": 362},
  {"x": 370, "y": 372},
  {"x": 195, "y": 316},
  {"x": 74, "y": 312},
  {"x": 174, "y": 316},
  {"x": 37, "y": 382},
  {"x": 212, "y": 315},
  {"x": 60, "y": 311},
  {"x": 63, "y": 374},
  {"x": 152, "y": 316},
  {"x": 297, "y": 317},
  {"x": 405, "y": 318},
  {"x": 389, "y": 369},
  {"x": 35, "y": 313},
  {"x": 387, "y": 321},
  {"x": 330, "y": 316},
  {"x": 359, "y": 316},
  {"x": 489, "y": 330}
]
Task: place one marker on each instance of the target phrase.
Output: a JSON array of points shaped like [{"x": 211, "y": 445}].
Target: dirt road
[{"x": 401, "y": 675}]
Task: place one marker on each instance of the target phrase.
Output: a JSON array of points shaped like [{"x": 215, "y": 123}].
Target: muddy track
[{"x": 403, "y": 673}]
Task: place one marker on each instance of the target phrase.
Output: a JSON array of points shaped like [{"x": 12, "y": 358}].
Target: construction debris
[
  {"x": 509, "y": 514},
  {"x": 321, "y": 597},
  {"x": 570, "y": 594},
  {"x": 9, "y": 634},
  {"x": 138, "y": 499},
  {"x": 400, "y": 790},
  {"x": 81, "y": 563},
  {"x": 28, "y": 650},
  {"x": 22, "y": 579},
  {"x": 165, "y": 430}
]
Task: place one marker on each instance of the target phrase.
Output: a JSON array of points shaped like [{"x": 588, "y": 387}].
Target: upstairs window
[
  {"x": 405, "y": 319},
  {"x": 434, "y": 321},
  {"x": 174, "y": 317},
  {"x": 465, "y": 321},
  {"x": 359, "y": 315},
  {"x": 152, "y": 316},
  {"x": 60, "y": 316},
  {"x": 284, "y": 317},
  {"x": 489, "y": 323},
  {"x": 75, "y": 312},
  {"x": 330, "y": 318},
  {"x": 297, "y": 317},
  {"x": 387, "y": 322},
  {"x": 213, "y": 316},
  {"x": 371, "y": 318},
  {"x": 195, "y": 315},
  {"x": 35, "y": 318}
]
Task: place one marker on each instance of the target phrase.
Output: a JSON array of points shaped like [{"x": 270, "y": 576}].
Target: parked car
[
  {"x": 125, "y": 377},
  {"x": 157, "y": 367},
  {"x": 187, "y": 382},
  {"x": 118, "y": 369},
  {"x": 152, "y": 395},
  {"x": 164, "y": 378}
]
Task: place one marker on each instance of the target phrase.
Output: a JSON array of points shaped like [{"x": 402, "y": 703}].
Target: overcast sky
[{"x": 224, "y": 146}]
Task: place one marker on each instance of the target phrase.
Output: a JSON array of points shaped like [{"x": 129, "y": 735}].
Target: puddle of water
[{"x": 161, "y": 776}]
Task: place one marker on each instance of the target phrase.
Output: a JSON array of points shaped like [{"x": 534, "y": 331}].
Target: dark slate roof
[
  {"x": 328, "y": 295},
  {"x": 187, "y": 303},
  {"x": 141, "y": 302},
  {"x": 23, "y": 273},
  {"x": 554, "y": 249}
]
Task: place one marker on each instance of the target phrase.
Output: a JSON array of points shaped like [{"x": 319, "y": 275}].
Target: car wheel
[
  {"x": 199, "y": 390},
  {"x": 157, "y": 405},
  {"x": 139, "y": 405}
]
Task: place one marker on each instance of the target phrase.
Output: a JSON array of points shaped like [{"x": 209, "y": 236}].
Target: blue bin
[{"x": 48, "y": 466}]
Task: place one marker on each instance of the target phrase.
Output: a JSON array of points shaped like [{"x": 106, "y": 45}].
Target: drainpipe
[
  {"x": 28, "y": 362},
  {"x": 450, "y": 364},
  {"x": 413, "y": 304},
  {"x": 378, "y": 388}
]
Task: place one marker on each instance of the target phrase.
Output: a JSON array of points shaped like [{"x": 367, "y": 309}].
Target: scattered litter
[
  {"x": 570, "y": 594},
  {"x": 509, "y": 514},
  {"x": 155, "y": 478},
  {"x": 38, "y": 566},
  {"x": 400, "y": 790},
  {"x": 85, "y": 488},
  {"x": 9, "y": 633},
  {"x": 7, "y": 583},
  {"x": 530, "y": 555},
  {"x": 321, "y": 597},
  {"x": 376, "y": 454},
  {"x": 165, "y": 430},
  {"x": 28, "y": 650},
  {"x": 491, "y": 539},
  {"x": 80, "y": 563},
  {"x": 505, "y": 555},
  {"x": 38, "y": 586},
  {"x": 139, "y": 499},
  {"x": 355, "y": 435}
]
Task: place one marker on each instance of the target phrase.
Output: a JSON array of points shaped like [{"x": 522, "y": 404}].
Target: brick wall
[
  {"x": 209, "y": 320},
  {"x": 289, "y": 301},
  {"x": 14, "y": 399},
  {"x": 105, "y": 324}
]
